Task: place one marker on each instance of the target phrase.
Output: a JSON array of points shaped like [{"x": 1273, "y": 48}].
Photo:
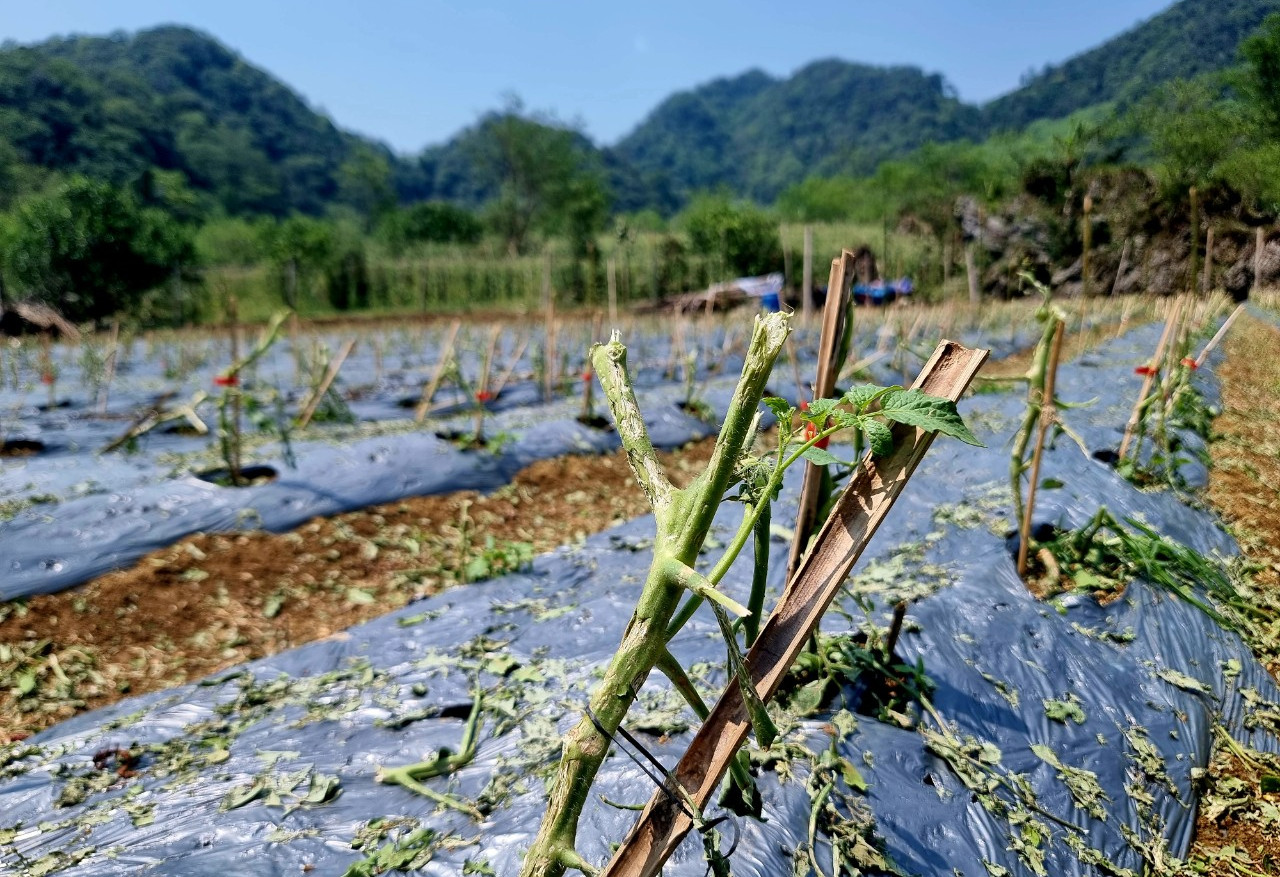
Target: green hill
[
  {"x": 174, "y": 99},
  {"x": 1188, "y": 39},
  {"x": 756, "y": 134}
]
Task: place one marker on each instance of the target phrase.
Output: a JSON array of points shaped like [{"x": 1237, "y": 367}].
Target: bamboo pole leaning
[{"x": 675, "y": 809}]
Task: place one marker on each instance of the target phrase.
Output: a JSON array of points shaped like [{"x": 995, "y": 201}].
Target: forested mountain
[
  {"x": 757, "y": 135},
  {"x": 1188, "y": 39},
  {"x": 172, "y": 99}
]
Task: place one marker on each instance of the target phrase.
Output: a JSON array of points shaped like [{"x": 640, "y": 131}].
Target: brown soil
[
  {"x": 1244, "y": 487},
  {"x": 215, "y": 600}
]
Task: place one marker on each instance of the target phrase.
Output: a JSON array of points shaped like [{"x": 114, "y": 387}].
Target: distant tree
[
  {"x": 743, "y": 237},
  {"x": 90, "y": 250},
  {"x": 430, "y": 222},
  {"x": 1190, "y": 129},
  {"x": 1259, "y": 78},
  {"x": 365, "y": 183},
  {"x": 819, "y": 199},
  {"x": 302, "y": 248},
  {"x": 544, "y": 176}
]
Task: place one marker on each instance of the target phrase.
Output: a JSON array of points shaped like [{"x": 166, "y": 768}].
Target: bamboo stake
[
  {"x": 1048, "y": 414},
  {"x": 1259, "y": 243},
  {"x": 112, "y": 358},
  {"x": 1207, "y": 284},
  {"x": 512, "y": 365},
  {"x": 429, "y": 390},
  {"x": 875, "y": 485},
  {"x": 330, "y": 375},
  {"x": 1135, "y": 417},
  {"x": 612, "y": 276},
  {"x": 1218, "y": 336},
  {"x": 833, "y": 314}
]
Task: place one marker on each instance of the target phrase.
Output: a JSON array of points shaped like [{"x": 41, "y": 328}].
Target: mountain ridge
[{"x": 177, "y": 99}]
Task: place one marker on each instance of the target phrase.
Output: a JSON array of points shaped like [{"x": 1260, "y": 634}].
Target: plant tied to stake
[{"x": 684, "y": 518}]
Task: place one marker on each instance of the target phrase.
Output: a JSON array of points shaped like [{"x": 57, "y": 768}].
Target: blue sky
[{"x": 414, "y": 72}]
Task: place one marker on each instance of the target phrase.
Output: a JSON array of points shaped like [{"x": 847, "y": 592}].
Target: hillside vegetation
[{"x": 157, "y": 173}]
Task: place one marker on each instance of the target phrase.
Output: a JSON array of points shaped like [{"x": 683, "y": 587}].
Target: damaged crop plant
[{"x": 673, "y": 589}]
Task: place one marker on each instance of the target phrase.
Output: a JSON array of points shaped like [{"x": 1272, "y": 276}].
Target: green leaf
[
  {"x": 821, "y": 457},
  {"x": 1270, "y": 784},
  {"x": 859, "y": 398},
  {"x": 781, "y": 408},
  {"x": 879, "y": 437},
  {"x": 919, "y": 409},
  {"x": 1051, "y": 484},
  {"x": 1064, "y": 710},
  {"x": 819, "y": 410}
]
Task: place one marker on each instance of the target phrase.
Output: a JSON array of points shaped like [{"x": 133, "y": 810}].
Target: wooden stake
[
  {"x": 512, "y": 365},
  {"x": 1153, "y": 367},
  {"x": 806, "y": 277},
  {"x": 1218, "y": 336},
  {"x": 833, "y": 315},
  {"x": 1206, "y": 286},
  {"x": 330, "y": 375},
  {"x": 611, "y": 268},
  {"x": 429, "y": 390},
  {"x": 971, "y": 269},
  {"x": 874, "y": 487},
  {"x": 1048, "y": 414},
  {"x": 1259, "y": 243}
]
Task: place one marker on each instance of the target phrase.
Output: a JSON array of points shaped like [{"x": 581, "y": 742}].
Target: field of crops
[{"x": 951, "y": 713}]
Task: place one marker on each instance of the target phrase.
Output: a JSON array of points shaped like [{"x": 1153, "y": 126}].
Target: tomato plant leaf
[
  {"x": 919, "y": 409},
  {"x": 879, "y": 437}
]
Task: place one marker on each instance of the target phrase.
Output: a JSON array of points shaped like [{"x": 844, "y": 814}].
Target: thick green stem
[{"x": 684, "y": 518}]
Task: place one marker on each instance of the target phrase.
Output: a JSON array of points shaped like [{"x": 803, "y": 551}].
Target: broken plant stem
[
  {"x": 683, "y": 520},
  {"x": 444, "y": 763},
  {"x": 1048, "y": 414}
]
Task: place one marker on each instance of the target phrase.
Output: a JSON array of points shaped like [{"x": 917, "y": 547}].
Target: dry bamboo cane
[
  {"x": 429, "y": 390},
  {"x": 512, "y": 365},
  {"x": 482, "y": 391},
  {"x": 1048, "y": 414},
  {"x": 1135, "y": 417},
  {"x": 330, "y": 375},
  {"x": 833, "y": 314},
  {"x": 1218, "y": 336},
  {"x": 871, "y": 493}
]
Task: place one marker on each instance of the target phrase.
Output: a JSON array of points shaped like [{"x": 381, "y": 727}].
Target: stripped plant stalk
[
  {"x": 683, "y": 520},
  {"x": 229, "y": 405},
  {"x": 1037, "y": 378}
]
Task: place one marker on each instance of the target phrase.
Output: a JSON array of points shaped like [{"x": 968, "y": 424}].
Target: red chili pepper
[
  {"x": 484, "y": 396},
  {"x": 586, "y": 377},
  {"x": 811, "y": 430},
  {"x": 1190, "y": 363},
  {"x": 226, "y": 381},
  {"x": 46, "y": 377},
  {"x": 1144, "y": 370}
]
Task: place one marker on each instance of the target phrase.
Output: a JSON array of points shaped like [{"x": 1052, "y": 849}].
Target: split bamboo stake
[
  {"x": 1259, "y": 243},
  {"x": 549, "y": 335},
  {"x": 112, "y": 358},
  {"x": 483, "y": 396},
  {"x": 871, "y": 493},
  {"x": 833, "y": 316},
  {"x": 330, "y": 375},
  {"x": 429, "y": 389},
  {"x": 1153, "y": 367},
  {"x": 1222, "y": 331},
  {"x": 512, "y": 365},
  {"x": 1048, "y": 414},
  {"x": 612, "y": 276}
]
